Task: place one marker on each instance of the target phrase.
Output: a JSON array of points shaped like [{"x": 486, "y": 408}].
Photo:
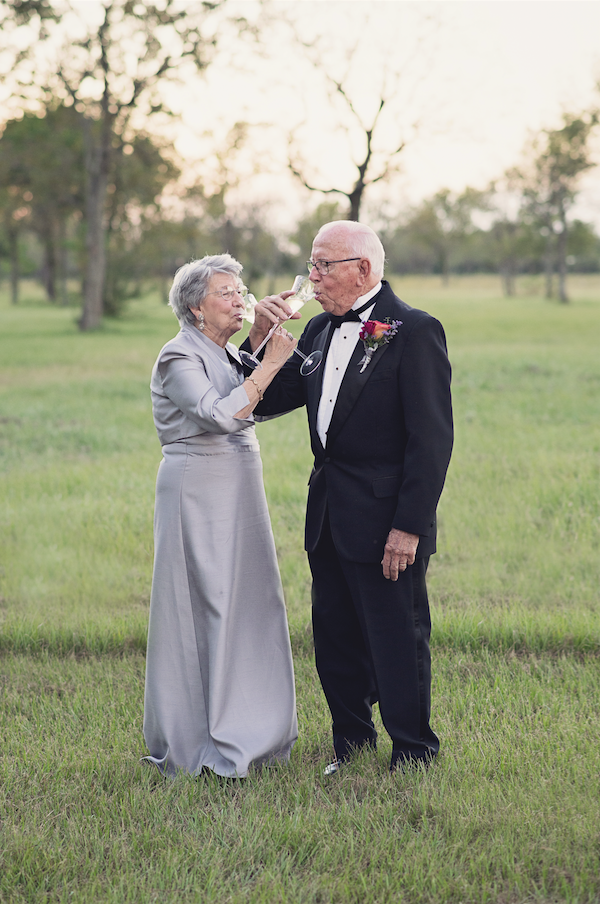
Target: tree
[
  {"x": 550, "y": 186},
  {"x": 229, "y": 223},
  {"x": 42, "y": 166},
  {"x": 509, "y": 237},
  {"x": 374, "y": 105},
  {"x": 442, "y": 223},
  {"x": 583, "y": 248},
  {"x": 13, "y": 210},
  {"x": 42, "y": 162},
  {"x": 364, "y": 165},
  {"x": 110, "y": 70},
  {"x": 140, "y": 172}
]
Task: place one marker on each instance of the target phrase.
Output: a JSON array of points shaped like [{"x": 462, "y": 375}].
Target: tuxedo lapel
[
  {"x": 352, "y": 386},
  {"x": 314, "y": 381},
  {"x": 354, "y": 381}
]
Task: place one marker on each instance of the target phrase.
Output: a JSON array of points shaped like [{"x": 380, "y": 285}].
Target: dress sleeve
[{"x": 186, "y": 383}]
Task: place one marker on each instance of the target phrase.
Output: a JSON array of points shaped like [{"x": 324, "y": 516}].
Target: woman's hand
[
  {"x": 277, "y": 350},
  {"x": 279, "y": 347},
  {"x": 267, "y": 312}
]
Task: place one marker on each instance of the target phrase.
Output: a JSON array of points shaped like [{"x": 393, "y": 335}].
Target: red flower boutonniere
[{"x": 373, "y": 334}]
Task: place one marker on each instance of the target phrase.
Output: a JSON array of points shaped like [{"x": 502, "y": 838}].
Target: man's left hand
[{"x": 399, "y": 553}]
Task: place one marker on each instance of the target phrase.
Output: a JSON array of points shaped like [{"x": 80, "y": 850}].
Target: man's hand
[
  {"x": 400, "y": 550},
  {"x": 267, "y": 313}
]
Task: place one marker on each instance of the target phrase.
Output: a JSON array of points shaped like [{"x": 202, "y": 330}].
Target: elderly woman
[{"x": 219, "y": 676}]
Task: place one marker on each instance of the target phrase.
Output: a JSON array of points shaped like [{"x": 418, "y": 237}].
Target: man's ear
[{"x": 364, "y": 270}]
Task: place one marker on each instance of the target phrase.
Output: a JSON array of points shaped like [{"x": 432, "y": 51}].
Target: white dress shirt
[{"x": 340, "y": 351}]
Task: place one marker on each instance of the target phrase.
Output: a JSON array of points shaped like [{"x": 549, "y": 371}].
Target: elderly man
[{"x": 381, "y": 434}]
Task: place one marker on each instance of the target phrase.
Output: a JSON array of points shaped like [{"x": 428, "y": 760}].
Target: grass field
[{"x": 511, "y": 810}]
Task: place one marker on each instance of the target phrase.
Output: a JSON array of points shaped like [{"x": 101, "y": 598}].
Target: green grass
[
  {"x": 509, "y": 813},
  {"x": 519, "y": 518}
]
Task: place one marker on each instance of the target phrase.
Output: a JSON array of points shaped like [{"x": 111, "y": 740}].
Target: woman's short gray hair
[{"x": 190, "y": 285}]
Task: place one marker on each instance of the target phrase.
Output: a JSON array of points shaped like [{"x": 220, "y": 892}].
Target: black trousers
[{"x": 372, "y": 645}]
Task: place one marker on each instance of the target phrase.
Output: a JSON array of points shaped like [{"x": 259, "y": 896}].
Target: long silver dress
[{"x": 219, "y": 675}]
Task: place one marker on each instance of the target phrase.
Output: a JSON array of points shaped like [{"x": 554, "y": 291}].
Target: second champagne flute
[{"x": 303, "y": 292}]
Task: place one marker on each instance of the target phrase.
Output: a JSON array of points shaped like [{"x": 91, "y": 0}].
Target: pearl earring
[{"x": 201, "y": 321}]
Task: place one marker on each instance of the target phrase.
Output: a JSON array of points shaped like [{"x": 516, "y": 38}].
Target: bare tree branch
[{"x": 339, "y": 87}]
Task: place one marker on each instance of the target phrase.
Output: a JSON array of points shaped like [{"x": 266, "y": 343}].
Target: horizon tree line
[{"x": 519, "y": 224}]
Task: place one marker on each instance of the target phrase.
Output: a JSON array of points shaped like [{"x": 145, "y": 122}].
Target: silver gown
[{"x": 219, "y": 675}]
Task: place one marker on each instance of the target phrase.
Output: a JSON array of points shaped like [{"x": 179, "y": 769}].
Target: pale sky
[
  {"x": 490, "y": 75},
  {"x": 479, "y": 76}
]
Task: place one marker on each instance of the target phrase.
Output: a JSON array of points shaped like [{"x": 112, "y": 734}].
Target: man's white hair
[{"x": 362, "y": 242}]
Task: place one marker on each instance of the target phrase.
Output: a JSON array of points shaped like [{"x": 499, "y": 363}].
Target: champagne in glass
[
  {"x": 303, "y": 291},
  {"x": 250, "y": 303}
]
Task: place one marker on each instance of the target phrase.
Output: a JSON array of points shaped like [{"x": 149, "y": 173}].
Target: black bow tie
[{"x": 350, "y": 316}]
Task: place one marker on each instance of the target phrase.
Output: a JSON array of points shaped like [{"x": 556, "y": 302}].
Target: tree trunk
[
  {"x": 230, "y": 238},
  {"x": 164, "y": 280},
  {"x": 561, "y": 253},
  {"x": 13, "y": 246},
  {"x": 355, "y": 199},
  {"x": 50, "y": 264},
  {"x": 444, "y": 267},
  {"x": 511, "y": 279},
  {"x": 96, "y": 165},
  {"x": 507, "y": 276},
  {"x": 549, "y": 267},
  {"x": 95, "y": 270},
  {"x": 63, "y": 262}
]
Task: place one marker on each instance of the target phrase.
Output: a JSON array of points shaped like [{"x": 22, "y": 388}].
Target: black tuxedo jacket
[{"x": 390, "y": 438}]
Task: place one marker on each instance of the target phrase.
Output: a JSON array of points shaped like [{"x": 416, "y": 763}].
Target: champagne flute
[{"x": 303, "y": 292}]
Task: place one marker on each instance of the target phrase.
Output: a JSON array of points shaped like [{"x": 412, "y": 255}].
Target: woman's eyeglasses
[{"x": 228, "y": 293}]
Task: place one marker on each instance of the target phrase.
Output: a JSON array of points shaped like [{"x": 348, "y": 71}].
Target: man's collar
[{"x": 367, "y": 296}]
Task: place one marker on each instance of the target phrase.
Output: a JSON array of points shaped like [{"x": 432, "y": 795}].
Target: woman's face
[{"x": 222, "y": 316}]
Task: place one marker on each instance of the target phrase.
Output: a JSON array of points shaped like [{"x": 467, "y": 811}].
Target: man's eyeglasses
[
  {"x": 322, "y": 267},
  {"x": 228, "y": 293}
]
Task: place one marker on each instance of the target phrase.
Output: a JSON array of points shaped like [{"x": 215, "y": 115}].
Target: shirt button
[{"x": 327, "y": 460}]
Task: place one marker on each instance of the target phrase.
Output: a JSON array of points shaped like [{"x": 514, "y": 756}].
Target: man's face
[{"x": 337, "y": 290}]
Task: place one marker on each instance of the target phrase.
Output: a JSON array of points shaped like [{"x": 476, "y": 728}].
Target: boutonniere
[{"x": 375, "y": 333}]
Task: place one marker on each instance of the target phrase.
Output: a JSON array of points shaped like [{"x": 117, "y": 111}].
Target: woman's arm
[
  {"x": 278, "y": 349},
  {"x": 183, "y": 390}
]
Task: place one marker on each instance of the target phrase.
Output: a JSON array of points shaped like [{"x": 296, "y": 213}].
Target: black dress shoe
[{"x": 333, "y": 767}]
